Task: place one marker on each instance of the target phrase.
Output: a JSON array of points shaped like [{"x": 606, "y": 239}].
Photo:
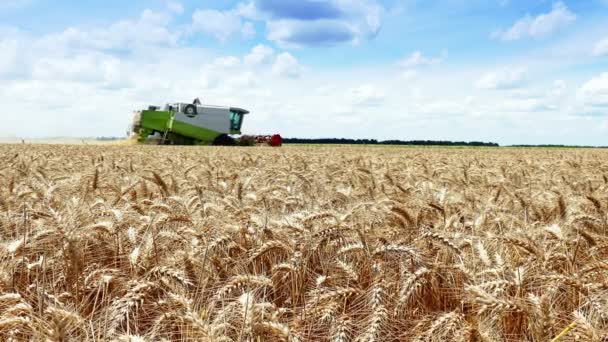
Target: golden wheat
[{"x": 144, "y": 243}]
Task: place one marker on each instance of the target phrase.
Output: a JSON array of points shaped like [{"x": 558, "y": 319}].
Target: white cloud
[
  {"x": 248, "y": 10},
  {"x": 550, "y": 98},
  {"x": 221, "y": 24},
  {"x": 227, "y": 62},
  {"x": 175, "y": 7},
  {"x": 325, "y": 90},
  {"x": 417, "y": 59},
  {"x": 595, "y": 91},
  {"x": 151, "y": 28},
  {"x": 367, "y": 95},
  {"x": 354, "y": 21},
  {"x": 286, "y": 65},
  {"x": 299, "y": 33},
  {"x": 505, "y": 78},
  {"x": 295, "y": 23},
  {"x": 9, "y": 57},
  {"x": 551, "y": 93},
  {"x": 412, "y": 63},
  {"x": 525, "y": 106},
  {"x": 409, "y": 75},
  {"x": 260, "y": 54},
  {"x": 101, "y": 69},
  {"x": 601, "y": 48},
  {"x": 242, "y": 80},
  {"x": 539, "y": 26},
  {"x": 559, "y": 88}
]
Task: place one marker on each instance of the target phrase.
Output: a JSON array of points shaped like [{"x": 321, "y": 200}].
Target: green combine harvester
[{"x": 188, "y": 124}]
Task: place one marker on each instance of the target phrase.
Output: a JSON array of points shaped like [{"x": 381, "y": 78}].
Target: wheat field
[{"x": 146, "y": 243}]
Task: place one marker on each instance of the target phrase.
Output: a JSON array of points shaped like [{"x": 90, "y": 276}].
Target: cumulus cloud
[
  {"x": 248, "y": 10},
  {"x": 412, "y": 64},
  {"x": 601, "y": 48},
  {"x": 221, "y": 24},
  {"x": 300, "y": 9},
  {"x": 151, "y": 28},
  {"x": 286, "y": 65},
  {"x": 88, "y": 50},
  {"x": 296, "y": 23},
  {"x": 417, "y": 59},
  {"x": 594, "y": 92},
  {"x": 367, "y": 95},
  {"x": 550, "y": 93},
  {"x": 80, "y": 68},
  {"x": 505, "y": 78},
  {"x": 292, "y": 33},
  {"x": 409, "y": 75},
  {"x": 559, "y": 88},
  {"x": 227, "y": 62},
  {"x": 259, "y": 55},
  {"x": 9, "y": 58},
  {"x": 548, "y": 98},
  {"x": 175, "y": 7},
  {"x": 539, "y": 26}
]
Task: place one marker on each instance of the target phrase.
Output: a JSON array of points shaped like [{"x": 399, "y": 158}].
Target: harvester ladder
[
  {"x": 164, "y": 137},
  {"x": 168, "y": 128}
]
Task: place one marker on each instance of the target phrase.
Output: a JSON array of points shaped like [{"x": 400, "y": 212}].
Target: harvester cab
[{"x": 189, "y": 124}]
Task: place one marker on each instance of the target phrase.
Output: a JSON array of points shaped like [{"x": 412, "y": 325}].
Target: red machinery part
[
  {"x": 261, "y": 139},
  {"x": 276, "y": 141},
  {"x": 272, "y": 140}
]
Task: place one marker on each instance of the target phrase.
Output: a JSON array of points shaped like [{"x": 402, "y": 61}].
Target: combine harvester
[{"x": 195, "y": 124}]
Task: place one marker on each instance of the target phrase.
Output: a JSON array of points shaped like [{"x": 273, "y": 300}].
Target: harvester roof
[{"x": 239, "y": 110}]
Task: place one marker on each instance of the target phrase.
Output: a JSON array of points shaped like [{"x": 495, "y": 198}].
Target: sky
[{"x": 506, "y": 71}]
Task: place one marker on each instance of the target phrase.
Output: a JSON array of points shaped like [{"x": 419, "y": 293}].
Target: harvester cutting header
[{"x": 193, "y": 124}]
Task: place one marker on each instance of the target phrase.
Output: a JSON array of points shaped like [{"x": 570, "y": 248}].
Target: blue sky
[{"x": 497, "y": 70}]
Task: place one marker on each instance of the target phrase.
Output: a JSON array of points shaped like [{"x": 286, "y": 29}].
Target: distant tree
[
  {"x": 342, "y": 141},
  {"x": 107, "y": 138}
]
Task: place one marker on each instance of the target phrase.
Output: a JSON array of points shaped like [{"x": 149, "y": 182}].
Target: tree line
[
  {"x": 343, "y": 141},
  {"x": 560, "y": 146}
]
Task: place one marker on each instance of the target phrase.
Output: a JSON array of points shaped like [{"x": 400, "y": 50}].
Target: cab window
[{"x": 236, "y": 120}]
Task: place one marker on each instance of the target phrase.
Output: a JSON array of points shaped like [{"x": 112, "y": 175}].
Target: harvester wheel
[
  {"x": 190, "y": 111},
  {"x": 224, "y": 140}
]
